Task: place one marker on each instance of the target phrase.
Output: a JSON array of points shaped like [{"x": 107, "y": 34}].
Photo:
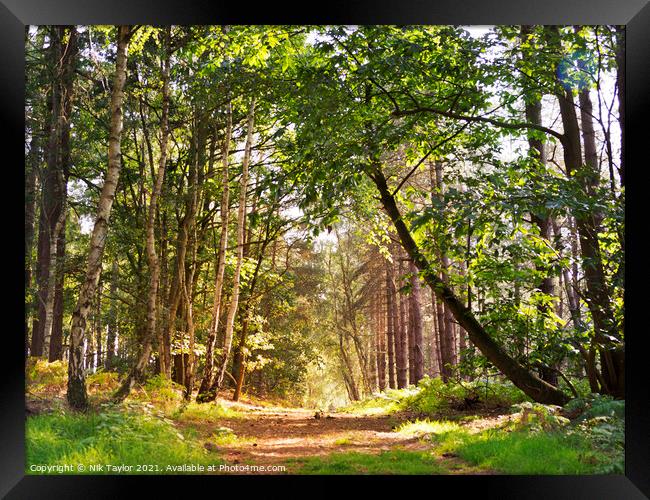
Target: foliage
[
  {"x": 442, "y": 116},
  {"x": 102, "y": 382},
  {"x": 601, "y": 421},
  {"x": 607, "y": 435},
  {"x": 109, "y": 437},
  {"x": 434, "y": 395},
  {"x": 161, "y": 392},
  {"x": 596, "y": 405},
  {"x": 537, "y": 417},
  {"x": 42, "y": 375},
  {"x": 195, "y": 412},
  {"x": 386, "y": 402},
  {"x": 426, "y": 427},
  {"x": 386, "y": 462},
  {"x": 521, "y": 452}
]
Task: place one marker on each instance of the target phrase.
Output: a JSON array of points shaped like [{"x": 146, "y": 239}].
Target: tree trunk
[
  {"x": 241, "y": 225},
  {"x": 620, "y": 86},
  {"x": 348, "y": 372},
  {"x": 444, "y": 315},
  {"x": 240, "y": 370},
  {"x": 98, "y": 315},
  {"x": 51, "y": 199},
  {"x": 401, "y": 332},
  {"x": 56, "y": 340},
  {"x": 186, "y": 229},
  {"x": 68, "y": 71},
  {"x": 208, "y": 372},
  {"x": 137, "y": 373},
  {"x": 380, "y": 335},
  {"x": 239, "y": 361},
  {"x": 111, "y": 335},
  {"x": 597, "y": 294},
  {"x": 444, "y": 364},
  {"x": 530, "y": 384},
  {"x": 189, "y": 280},
  {"x": 537, "y": 150},
  {"x": 76, "y": 393},
  {"x": 415, "y": 316},
  {"x": 58, "y": 159},
  {"x": 374, "y": 345},
  {"x": 390, "y": 324},
  {"x": 32, "y": 167}
]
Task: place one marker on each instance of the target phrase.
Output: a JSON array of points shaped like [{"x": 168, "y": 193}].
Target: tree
[
  {"x": 152, "y": 256},
  {"x": 416, "y": 355},
  {"x": 204, "y": 394},
  {"x": 241, "y": 224},
  {"x": 63, "y": 50},
  {"x": 76, "y": 393}
]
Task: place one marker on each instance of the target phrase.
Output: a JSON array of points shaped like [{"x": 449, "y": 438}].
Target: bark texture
[{"x": 76, "y": 393}]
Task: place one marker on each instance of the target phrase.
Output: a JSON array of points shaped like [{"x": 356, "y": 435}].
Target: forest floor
[
  {"x": 424, "y": 430},
  {"x": 275, "y": 436}
]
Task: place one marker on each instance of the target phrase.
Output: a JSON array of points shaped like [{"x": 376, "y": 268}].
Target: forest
[{"x": 324, "y": 249}]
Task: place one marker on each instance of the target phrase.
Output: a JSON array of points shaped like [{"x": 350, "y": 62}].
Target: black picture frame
[{"x": 635, "y": 14}]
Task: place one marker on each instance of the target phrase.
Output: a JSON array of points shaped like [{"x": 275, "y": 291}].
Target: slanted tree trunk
[
  {"x": 208, "y": 372},
  {"x": 240, "y": 363},
  {"x": 76, "y": 393},
  {"x": 348, "y": 371},
  {"x": 188, "y": 376},
  {"x": 186, "y": 229},
  {"x": 137, "y": 373},
  {"x": 529, "y": 383}
]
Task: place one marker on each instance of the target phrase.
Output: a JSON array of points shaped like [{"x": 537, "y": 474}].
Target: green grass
[
  {"x": 111, "y": 437},
  {"x": 432, "y": 396},
  {"x": 198, "y": 412},
  {"x": 521, "y": 452},
  {"x": 384, "y": 403},
  {"x": 224, "y": 436},
  {"x": 387, "y": 462},
  {"x": 426, "y": 426}
]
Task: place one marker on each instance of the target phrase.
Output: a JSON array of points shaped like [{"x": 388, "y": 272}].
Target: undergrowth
[
  {"x": 387, "y": 462},
  {"x": 433, "y": 396},
  {"x": 112, "y": 436}
]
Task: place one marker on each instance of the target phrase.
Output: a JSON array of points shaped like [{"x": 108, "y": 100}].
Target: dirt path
[{"x": 273, "y": 435}]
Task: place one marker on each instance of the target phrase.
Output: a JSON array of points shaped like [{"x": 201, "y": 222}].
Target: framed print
[{"x": 375, "y": 244}]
